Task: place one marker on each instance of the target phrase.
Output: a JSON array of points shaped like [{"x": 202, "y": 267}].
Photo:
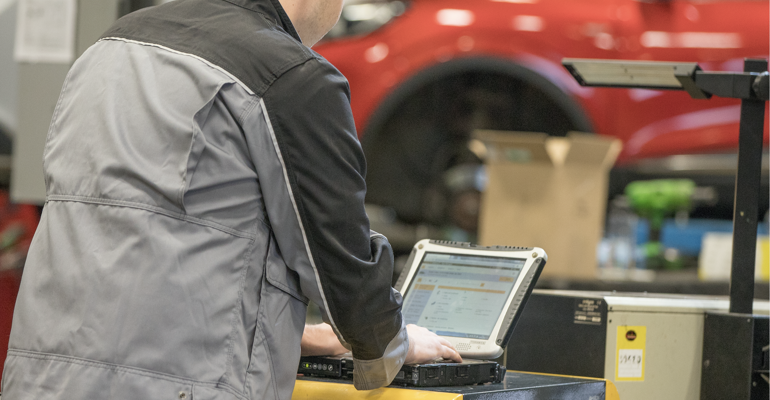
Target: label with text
[
  {"x": 588, "y": 311},
  {"x": 630, "y": 354}
]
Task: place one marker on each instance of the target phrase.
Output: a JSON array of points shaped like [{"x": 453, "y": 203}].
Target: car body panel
[{"x": 537, "y": 34}]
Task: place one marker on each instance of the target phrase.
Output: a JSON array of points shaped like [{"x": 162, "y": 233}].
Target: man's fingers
[
  {"x": 426, "y": 346},
  {"x": 448, "y": 351},
  {"x": 451, "y": 354}
]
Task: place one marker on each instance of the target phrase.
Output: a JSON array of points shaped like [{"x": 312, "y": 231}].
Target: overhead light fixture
[
  {"x": 629, "y": 74},
  {"x": 687, "y": 76}
]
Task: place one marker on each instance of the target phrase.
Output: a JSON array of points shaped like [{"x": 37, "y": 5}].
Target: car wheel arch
[
  {"x": 382, "y": 174},
  {"x": 482, "y": 64}
]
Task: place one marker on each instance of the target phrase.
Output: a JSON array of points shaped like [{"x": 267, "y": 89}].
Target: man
[{"x": 204, "y": 179}]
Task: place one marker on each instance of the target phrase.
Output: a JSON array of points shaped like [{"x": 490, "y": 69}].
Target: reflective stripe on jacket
[{"x": 204, "y": 179}]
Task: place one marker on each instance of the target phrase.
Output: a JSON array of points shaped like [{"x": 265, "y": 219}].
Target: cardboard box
[{"x": 547, "y": 192}]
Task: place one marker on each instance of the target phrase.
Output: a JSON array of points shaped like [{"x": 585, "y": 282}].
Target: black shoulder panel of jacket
[
  {"x": 253, "y": 40},
  {"x": 310, "y": 113}
]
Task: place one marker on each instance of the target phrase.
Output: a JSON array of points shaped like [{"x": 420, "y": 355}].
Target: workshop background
[{"x": 474, "y": 131}]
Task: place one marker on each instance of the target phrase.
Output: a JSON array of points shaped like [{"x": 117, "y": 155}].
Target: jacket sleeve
[{"x": 314, "y": 197}]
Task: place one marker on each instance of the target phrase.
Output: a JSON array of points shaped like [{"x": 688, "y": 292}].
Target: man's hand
[
  {"x": 320, "y": 340},
  {"x": 425, "y": 346}
]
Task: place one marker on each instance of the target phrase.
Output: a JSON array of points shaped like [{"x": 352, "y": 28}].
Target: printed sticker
[
  {"x": 630, "y": 354},
  {"x": 588, "y": 311}
]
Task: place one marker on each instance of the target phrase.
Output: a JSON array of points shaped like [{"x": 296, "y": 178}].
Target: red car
[{"x": 425, "y": 73}]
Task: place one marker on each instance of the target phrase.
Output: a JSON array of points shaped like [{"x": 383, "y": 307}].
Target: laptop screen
[{"x": 460, "y": 295}]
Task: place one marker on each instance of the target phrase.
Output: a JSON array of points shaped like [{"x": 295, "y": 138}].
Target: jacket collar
[{"x": 271, "y": 9}]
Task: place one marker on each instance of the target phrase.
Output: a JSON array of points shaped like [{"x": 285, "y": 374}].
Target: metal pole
[{"x": 745, "y": 214}]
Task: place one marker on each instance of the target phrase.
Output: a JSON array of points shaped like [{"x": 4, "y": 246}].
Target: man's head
[{"x": 312, "y": 18}]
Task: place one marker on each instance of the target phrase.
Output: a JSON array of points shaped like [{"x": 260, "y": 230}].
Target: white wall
[{"x": 8, "y": 68}]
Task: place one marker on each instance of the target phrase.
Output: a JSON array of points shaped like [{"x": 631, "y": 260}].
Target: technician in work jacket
[{"x": 204, "y": 180}]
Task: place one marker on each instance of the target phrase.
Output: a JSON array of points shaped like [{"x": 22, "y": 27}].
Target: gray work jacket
[{"x": 204, "y": 180}]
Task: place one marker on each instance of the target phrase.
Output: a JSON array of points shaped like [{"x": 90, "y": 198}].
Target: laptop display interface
[{"x": 460, "y": 295}]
